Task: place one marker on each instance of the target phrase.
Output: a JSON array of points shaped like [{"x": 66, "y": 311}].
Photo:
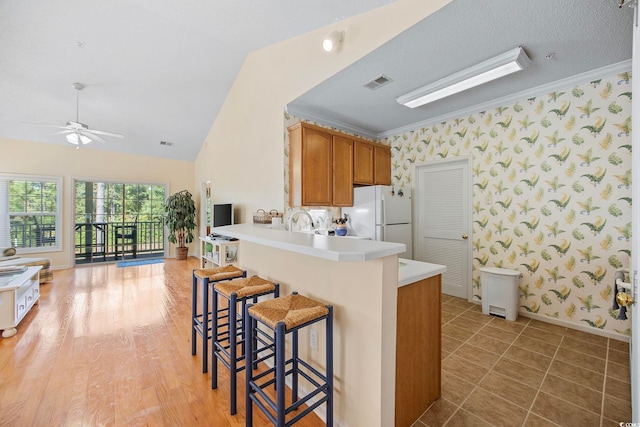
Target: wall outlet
[{"x": 313, "y": 339}]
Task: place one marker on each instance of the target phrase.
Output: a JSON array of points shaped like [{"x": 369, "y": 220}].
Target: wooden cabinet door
[
  {"x": 363, "y": 163},
  {"x": 342, "y": 171},
  {"x": 316, "y": 168},
  {"x": 382, "y": 167}
]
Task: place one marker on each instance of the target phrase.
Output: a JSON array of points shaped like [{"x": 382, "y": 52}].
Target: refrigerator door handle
[
  {"x": 382, "y": 211},
  {"x": 381, "y": 233}
]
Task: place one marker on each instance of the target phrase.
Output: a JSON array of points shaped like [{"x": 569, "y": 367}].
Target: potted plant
[{"x": 180, "y": 218}]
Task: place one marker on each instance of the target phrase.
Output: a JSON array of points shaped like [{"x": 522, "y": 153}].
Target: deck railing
[
  {"x": 98, "y": 241},
  {"x": 110, "y": 241}
]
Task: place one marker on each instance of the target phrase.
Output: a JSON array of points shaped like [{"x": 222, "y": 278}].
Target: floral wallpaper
[{"x": 558, "y": 168}]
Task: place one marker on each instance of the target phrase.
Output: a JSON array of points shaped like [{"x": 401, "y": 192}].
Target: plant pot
[
  {"x": 341, "y": 230},
  {"x": 182, "y": 252}
]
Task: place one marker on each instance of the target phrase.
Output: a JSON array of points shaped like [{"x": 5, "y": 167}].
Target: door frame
[
  {"x": 467, "y": 161},
  {"x": 634, "y": 348},
  {"x": 71, "y": 200}
]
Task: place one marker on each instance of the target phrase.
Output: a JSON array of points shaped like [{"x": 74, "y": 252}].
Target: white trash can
[{"x": 500, "y": 293}]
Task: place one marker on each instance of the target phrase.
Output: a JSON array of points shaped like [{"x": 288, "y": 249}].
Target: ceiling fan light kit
[
  {"x": 78, "y": 133},
  {"x": 78, "y": 138},
  {"x": 509, "y": 62}
]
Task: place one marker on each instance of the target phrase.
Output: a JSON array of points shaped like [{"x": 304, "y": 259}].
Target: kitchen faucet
[{"x": 301, "y": 211}]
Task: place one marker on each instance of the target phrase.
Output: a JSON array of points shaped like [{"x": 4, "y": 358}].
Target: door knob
[
  {"x": 623, "y": 299},
  {"x": 465, "y": 236}
]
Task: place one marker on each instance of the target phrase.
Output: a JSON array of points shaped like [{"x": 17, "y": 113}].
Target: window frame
[{"x": 6, "y": 213}]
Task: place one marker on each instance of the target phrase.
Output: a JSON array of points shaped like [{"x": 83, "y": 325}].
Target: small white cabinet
[
  {"x": 219, "y": 251},
  {"x": 18, "y": 293}
]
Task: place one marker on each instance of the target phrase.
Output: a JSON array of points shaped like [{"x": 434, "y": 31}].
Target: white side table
[
  {"x": 18, "y": 293},
  {"x": 225, "y": 252}
]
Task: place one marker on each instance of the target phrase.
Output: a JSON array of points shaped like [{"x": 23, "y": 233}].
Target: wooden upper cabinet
[
  {"x": 342, "y": 171},
  {"x": 363, "y": 169},
  {"x": 310, "y": 166},
  {"x": 382, "y": 167},
  {"x": 325, "y": 164}
]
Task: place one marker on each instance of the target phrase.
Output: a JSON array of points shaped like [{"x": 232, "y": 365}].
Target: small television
[{"x": 222, "y": 214}]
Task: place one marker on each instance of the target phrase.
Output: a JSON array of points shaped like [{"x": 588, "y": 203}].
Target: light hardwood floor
[{"x": 109, "y": 346}]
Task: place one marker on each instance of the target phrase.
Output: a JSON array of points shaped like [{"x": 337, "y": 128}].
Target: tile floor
[{"x": 526, "y": 373}]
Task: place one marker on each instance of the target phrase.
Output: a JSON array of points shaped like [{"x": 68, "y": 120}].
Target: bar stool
[
  {"x": 225, "y": 335},
  {"x": 200, "y": 321},
  {"x": 283, "y": 316}
]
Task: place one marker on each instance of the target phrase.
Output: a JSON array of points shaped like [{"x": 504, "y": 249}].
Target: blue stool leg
[
  {"x": 248, "y": 328},
  {"x": 214, "y": 338},
  {"x": 294, "y": 367},
  {"x": 280, "y": 374},
  {"x": 329, "y": 364},
  {"x": 233, "y": 346},
  {"x": 194, "y": 312},
  {"x": 205, "y": 325}
]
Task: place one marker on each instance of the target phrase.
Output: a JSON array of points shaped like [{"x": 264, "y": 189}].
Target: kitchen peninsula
[{"x": 373, "y": 295}]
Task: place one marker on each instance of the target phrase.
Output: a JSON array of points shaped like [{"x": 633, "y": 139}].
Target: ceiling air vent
[
  {"x": 165, "y": 143},
  {"x": 377, "y": 82}
]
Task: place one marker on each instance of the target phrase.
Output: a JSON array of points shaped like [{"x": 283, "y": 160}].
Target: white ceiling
[
  {"x": 581, "y": 35},
  {"x": 154, "y": 70}
]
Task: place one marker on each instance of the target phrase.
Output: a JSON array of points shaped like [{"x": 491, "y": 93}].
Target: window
[{"x": 30, "y": 211}]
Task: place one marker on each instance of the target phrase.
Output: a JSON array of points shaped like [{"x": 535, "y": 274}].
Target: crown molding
[
  {"x": 578, "y": 79},
  {"x": 320, "y": 119}
]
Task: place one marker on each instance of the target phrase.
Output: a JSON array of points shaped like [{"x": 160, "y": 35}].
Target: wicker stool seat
[
  {"x": 228, "y": 326},
  {"x": 200, "y": 320},
  {"x": 283, "y": 316}
]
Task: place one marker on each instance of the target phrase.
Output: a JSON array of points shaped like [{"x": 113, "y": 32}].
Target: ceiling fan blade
[
  {"x": 105, "y": 133},
  {"x": 49, "y": 126},
  {"x": 94, "y": 137},
  {"x": 64, "y": 132}
]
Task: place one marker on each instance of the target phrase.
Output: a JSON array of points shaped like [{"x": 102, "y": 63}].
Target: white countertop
[
  {"x": 410, "y": 271},
  {"x": 335, "y": 248}
]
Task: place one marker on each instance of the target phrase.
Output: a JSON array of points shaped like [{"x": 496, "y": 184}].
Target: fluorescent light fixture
[
  {"x": 491, "y": 69},
  {"x": 75, "y": 138},
  {"x": 332, "y": 40}
]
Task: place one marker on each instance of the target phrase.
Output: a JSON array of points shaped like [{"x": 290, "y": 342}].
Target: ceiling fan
[{"x": 79, "y": 133}]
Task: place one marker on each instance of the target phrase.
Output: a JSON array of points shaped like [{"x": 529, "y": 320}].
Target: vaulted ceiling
[{"x": 154, "y": 70}]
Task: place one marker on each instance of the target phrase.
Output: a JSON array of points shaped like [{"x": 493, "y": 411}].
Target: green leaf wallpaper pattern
[{"x": 558, "y": 168}]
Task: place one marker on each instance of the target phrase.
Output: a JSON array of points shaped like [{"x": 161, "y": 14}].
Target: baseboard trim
[{"x": 570, "y": 325}]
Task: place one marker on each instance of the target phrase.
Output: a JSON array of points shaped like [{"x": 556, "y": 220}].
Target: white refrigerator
[{"x": 381, "y": 212}]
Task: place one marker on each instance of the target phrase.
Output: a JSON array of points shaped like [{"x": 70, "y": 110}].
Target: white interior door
[
  {"x": 443, "y": 221},
  {"x": 635, "y": 249}
]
